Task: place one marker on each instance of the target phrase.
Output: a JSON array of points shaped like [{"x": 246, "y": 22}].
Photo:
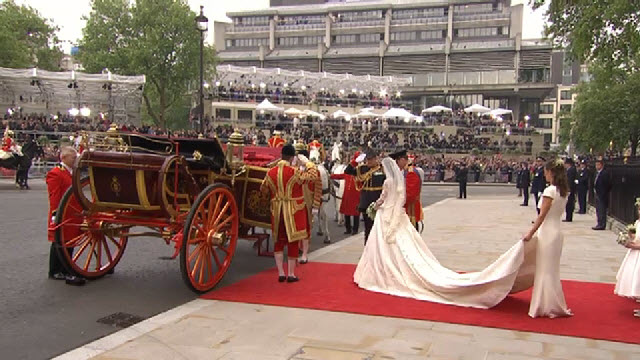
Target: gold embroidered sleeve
[
  {"x": 267, "y": 185},
  {"x": 309, "y": 174}
]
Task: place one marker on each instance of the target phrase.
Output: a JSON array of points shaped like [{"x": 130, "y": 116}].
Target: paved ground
[
  {"x": 42, "y": 318},
  {"x": 463, "y": 234}
]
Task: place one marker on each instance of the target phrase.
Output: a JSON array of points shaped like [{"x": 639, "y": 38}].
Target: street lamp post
[{"x": 202, "y": 24}]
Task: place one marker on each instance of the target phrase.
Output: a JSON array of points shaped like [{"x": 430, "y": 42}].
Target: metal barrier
[{"x": 625, "y": 188}]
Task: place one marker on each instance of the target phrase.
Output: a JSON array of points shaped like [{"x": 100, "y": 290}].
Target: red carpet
[{"x": 598, "y": 313}]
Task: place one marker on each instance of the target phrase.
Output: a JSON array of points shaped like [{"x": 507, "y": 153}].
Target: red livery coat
[
  {"x": 276, "y": 141},
  {"x": 58, "y": 182},
  {"x": 284, "y": 183},
  {"x": 412, "y": 204},
  {"x": 351, "y": 195}
]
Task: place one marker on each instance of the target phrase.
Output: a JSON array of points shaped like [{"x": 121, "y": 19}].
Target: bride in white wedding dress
[{"x": 397, "y": 261}]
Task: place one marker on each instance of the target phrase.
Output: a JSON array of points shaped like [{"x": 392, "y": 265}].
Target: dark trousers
[
  {"x": 368, "y": 224},
  {"x": 536, "y": 197},
  {"x": 601, "y": 212},
  {"x": 356, "y": 223},
  {"x": 463, "y": 189},
  {"x": 571, "y": 206},
  {"x": 525, "y": 194},
  {"x": 55, "y": 264},
  {"x": 582, "y": 201}
]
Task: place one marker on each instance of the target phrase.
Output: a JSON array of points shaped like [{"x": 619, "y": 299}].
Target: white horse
[
  {"x": 323, "y": 223},
  {"x": 337, "y": 185}
]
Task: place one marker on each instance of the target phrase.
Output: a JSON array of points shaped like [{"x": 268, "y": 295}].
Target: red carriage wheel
[
  {"x": 210, "y": 237},
  {"x": 87, "y": 248}
]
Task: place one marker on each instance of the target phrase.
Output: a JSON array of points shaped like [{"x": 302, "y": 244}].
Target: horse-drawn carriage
[{"x": 195, "y": 193}]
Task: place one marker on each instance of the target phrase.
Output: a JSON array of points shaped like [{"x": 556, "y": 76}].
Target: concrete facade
[{"x": 458, "y": 52}]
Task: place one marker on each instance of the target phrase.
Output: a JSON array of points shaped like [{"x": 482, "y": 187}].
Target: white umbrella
[
  {"x": 312, "y": 113},
  {"x": 477, "y": 109},
  {"x": 266, "y": 105},
  {"x": 366, "y": 113},
  {"x": 293, "y": 112},
  {"x": 436, "y": 109},
  {"x": 341, "y": 114},
  {"x": 500, "y": 112}
]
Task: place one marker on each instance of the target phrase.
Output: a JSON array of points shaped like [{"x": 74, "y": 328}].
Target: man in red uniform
[
  {"x": 350, "y": 201},
  {"x": 289, "y": 217},
  {"x": 317, "y": 145},
  {"x": 413, "y": 184},
  {"x": 312, "y": 191},
  {"x": 58, "y": 181},
  {"x": 276, "y": 140}
]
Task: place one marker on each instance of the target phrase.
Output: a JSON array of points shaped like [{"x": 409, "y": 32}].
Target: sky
[{"x": 67, "y": 15}]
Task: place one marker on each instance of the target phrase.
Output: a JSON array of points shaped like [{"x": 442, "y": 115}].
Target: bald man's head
[{"x": 68, "y": 155}]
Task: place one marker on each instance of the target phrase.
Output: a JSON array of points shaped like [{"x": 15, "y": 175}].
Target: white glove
[
  {"x": 361, "y": 158},
  {"x": 576, "y": 181},
  {"x": 302, "y": 159},
  {"x": 314, "y": 211},
  {"x": 53, "y": 219}
]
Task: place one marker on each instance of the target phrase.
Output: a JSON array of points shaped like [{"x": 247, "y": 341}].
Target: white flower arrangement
[
  {"x": 371, "y": 211},
  {"x": 625, "y": 236}
]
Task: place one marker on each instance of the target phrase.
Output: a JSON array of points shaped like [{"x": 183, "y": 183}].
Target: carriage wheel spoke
[
  {"x": 213, "y": 199},
  {"x": 204, "y": 258},
  {"x": 75, "y": 241},
  {"x": 196, "y": 240},
  {"x": 215, "y": 212},
  {"x": 81, "y": 250},
  {"x": 99, "y": 254},
  {"x": 195, "y": 265},
  {"x": 200, "y": 229},
  {"x": 197, "y": 249},
  {"x": 106, "y": 250},
  {"x": 115, "y": 242},
  {"x": 226, "y": 251},
  {"x": 223, "y": 212},
  {"x": 226, "y": 221},
  {"x": 209, "y": 270},
  {"x": 88, "y": 261},
  {"x": 215, "y": 257},
  {"x": 76, "y": 209}
]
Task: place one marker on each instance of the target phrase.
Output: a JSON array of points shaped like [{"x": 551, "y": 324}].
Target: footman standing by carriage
[
  {"x": 371, "y": 177},
  {"x": 58, "y": 181},
  {"x": 289, "y": 217},
  {"x": 276, "y": 140},
  {"x": 350, "y": 202},
  {"x": 413, "y": 183},
  {"x": 312, "y": 191}
]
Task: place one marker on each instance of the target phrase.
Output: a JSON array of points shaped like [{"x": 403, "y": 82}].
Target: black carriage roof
[{"x": 187, "y": 146}]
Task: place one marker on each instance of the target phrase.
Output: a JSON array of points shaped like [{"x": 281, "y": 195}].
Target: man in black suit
[
  {"x": 572, "y": 177},
  {"x": 602, "y": 187},
  {"x": 583, "y": 187},
  {"x": 539, "y": 183},
  {"x": 524, "y": 180},
  {"x": 461, "y": 177}
]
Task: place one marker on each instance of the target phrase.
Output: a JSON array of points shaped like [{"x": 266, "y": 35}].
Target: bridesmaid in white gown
[
  {"x": 548, "y": 297},
  {"x": 397, "y": 261},
  {"x": 628, "y": 278}
]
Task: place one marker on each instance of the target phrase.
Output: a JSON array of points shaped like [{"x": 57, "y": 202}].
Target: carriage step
[{"x": 121, "y": 320}]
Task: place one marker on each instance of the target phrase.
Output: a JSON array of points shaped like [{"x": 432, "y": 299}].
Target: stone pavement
[{"x": 464, "y": 234}]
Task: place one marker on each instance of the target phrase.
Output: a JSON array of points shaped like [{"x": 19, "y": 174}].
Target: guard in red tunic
[
  {"x": 58, "y": 182},
  {"x": 7, "y": 141},
  {"x": 413, "y": 186},
  {"x": 317, "y": 145},
  {"x": 289, "y": 217},
  {"x": 276, "y": 140},
  {"x": 350, "y": 201}
]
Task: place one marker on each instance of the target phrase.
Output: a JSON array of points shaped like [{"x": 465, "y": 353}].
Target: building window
[
  {"x": 565, "y": 108},
  {"x": 473, "y": 9},
  {"x": 251, "y": 21},
  {"x": 476, "y": 32},
  {"x": 344, "y": 39},
  {"x": 247, "y": 42},
  {"x": 370, "y": 38},
  {"x": 311, "y": 40},
  {"x": 565, "y": 95},
  {"x": 417, "y": 13},
  {"x": 546, "y": 109},
  {"x": 403, "y": 36},
  {"x": 431, "y": 35},
  {"x": 360, "y": 16},
  {"x": 288, "y": 41}
]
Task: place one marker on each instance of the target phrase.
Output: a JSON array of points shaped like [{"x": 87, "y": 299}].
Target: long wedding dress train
[{"x": 397, "y": 261}]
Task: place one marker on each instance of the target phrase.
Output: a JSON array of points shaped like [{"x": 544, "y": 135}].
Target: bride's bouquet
[
  {"x": 371, "y": 211},
  {"x": 625, "y": 236}
]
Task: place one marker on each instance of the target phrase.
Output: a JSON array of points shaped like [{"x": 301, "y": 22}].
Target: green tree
[
  {"x": 27, "y": 39},
  {"x": 605, "y": 113},
  {"x": 156, "y": 38},
  {"x": 596, "y": 31}
]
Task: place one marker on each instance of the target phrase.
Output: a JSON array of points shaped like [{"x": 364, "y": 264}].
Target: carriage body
[{"x": 181, "y": 190}]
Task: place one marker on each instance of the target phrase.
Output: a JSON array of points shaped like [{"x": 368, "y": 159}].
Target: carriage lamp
[{"x": 235, "y": 151}]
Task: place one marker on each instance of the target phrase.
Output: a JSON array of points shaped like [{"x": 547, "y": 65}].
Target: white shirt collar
[{"x": 69, "y": 169}]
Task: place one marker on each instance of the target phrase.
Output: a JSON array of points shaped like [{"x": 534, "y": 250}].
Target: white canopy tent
[
  {"x": 477, "y": 109},
  {"x": 266, "y": 105},
  {"x": 341, "y": 114},
  {"x": 293, "y": 112},
  {"x": 436, "y": 109},
  {"x": 311, "y": 113},
  {"x": 227, "y": 75},
  {"x": 367, "y": 114},
  {"x": 500, "y": 112},
  {"x": 117, "y": 97},
  {"x": 398, "y": 113}
]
